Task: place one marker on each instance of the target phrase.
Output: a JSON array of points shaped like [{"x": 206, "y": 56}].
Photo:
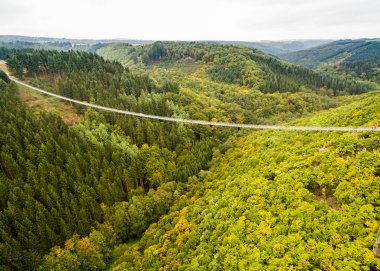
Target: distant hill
[
  {"x": 62, "y": 44},
  {"x": 15, "y": 38},
  {"x": 270, "y": 47},
  {"x": 278, "y": 48},
  {"x": 231, "y": 64},
  {"x": 272, "y": 74},
  {"x": 360, "y": 57}
]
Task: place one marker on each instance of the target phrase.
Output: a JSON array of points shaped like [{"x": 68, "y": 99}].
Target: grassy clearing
[
  {"x": 187, "y": 66},
  {"x": 38, "y": 102},
  {"x": 3, "y": 66}
]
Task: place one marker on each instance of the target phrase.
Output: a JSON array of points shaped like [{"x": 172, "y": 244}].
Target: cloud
[
  {"x": 316, "y": 19},
  {"x": 191, "y": 20},
  {"x": 8, "y": 10}
]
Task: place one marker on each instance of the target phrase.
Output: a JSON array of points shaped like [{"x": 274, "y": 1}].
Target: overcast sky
[{"x": 192, "y": 19}]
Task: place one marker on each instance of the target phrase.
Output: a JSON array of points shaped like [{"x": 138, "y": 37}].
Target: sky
[{"x": 244, "y": 20}]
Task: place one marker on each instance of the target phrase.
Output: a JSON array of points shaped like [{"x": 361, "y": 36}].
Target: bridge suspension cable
[{"x": 201, "y": 122}]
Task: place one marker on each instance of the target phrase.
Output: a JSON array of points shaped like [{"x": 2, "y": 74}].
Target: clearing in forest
[{"x": 40, "y": 103}]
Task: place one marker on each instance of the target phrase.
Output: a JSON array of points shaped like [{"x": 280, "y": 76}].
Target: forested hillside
[
  {"x": 61, "y": 44},
  {"x": 269, "y": 47},
  {"x": 57, "y": 181},
  {"x": 271, "y": 201},
  {"x": 355, "y": 58},
  {"x": 233, "y": 65},
  {"x": 278, "y": 48},
  {"x": 179, "y": 85},
  {"x": 81, "y": 197}
]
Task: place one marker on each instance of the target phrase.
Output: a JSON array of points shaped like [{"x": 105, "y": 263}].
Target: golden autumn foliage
[
  {"x": 259, "y": 206},
  {"x": 129, "y": 193}
]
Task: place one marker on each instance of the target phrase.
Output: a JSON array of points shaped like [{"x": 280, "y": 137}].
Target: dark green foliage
[
  {"x": 235, "y": 69},
  {"x": 157, "y": 51},
  {"x": 35, "y": 62},
  {"x": 314, "y": 56},
  {"x": 5, "y": 53},
  {"x": 4, "y": 77},
  {"x": 197, "y": 160},
  {"x": 54, "y": 179},
  {"x": 364, "y": 63},
  {"x": 57, "y": 45},
  {"x": 65, "y": 175},
  {"x": 369, "y": 52},
  {"x": 169, "y": 86},
  {"x": 83, "y": 191},
  {"x": 88, "y": 77},
  {"x": 355, "y": 58},
  {"x": 130, "y": 219},
  {"x": 246, "y": 67},
  {"x": 277, "y": 47},
  {"x": 276, "y": 201},
  {"x": 271, "y": 75},
  {"x": 281, "y": 76}
]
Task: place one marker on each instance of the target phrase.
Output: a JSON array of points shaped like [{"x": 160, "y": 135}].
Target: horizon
[{"x": 189, "y": 40}]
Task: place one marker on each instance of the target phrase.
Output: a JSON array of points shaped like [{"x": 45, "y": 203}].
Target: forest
[
  {"x": 358, "y": 59},
  {"x": 115, "y": 192}
]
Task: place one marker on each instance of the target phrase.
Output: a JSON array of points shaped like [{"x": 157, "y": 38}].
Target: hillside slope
[
  {"x": 270, "y": 47},
  {"x": 278, "y": 48},
  {"x": 277, "y": 200},
  {"x": 109, "y": 177},
  {"x": 270, "y": 201},
  {"x": 361, "y": 58},
  {"x": 204, "y": 89},
  {"x": 231, "y": 64},
  {"x": 68, "y": 176}
]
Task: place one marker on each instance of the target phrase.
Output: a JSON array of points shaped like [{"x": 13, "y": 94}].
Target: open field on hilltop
[{"x": 40, "y": 103}]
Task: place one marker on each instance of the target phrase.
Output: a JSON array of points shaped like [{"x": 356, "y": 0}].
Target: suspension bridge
[{"x": 201, "y": 122}]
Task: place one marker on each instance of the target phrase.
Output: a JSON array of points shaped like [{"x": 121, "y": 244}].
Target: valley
[{"x": 86, "y": 189}]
